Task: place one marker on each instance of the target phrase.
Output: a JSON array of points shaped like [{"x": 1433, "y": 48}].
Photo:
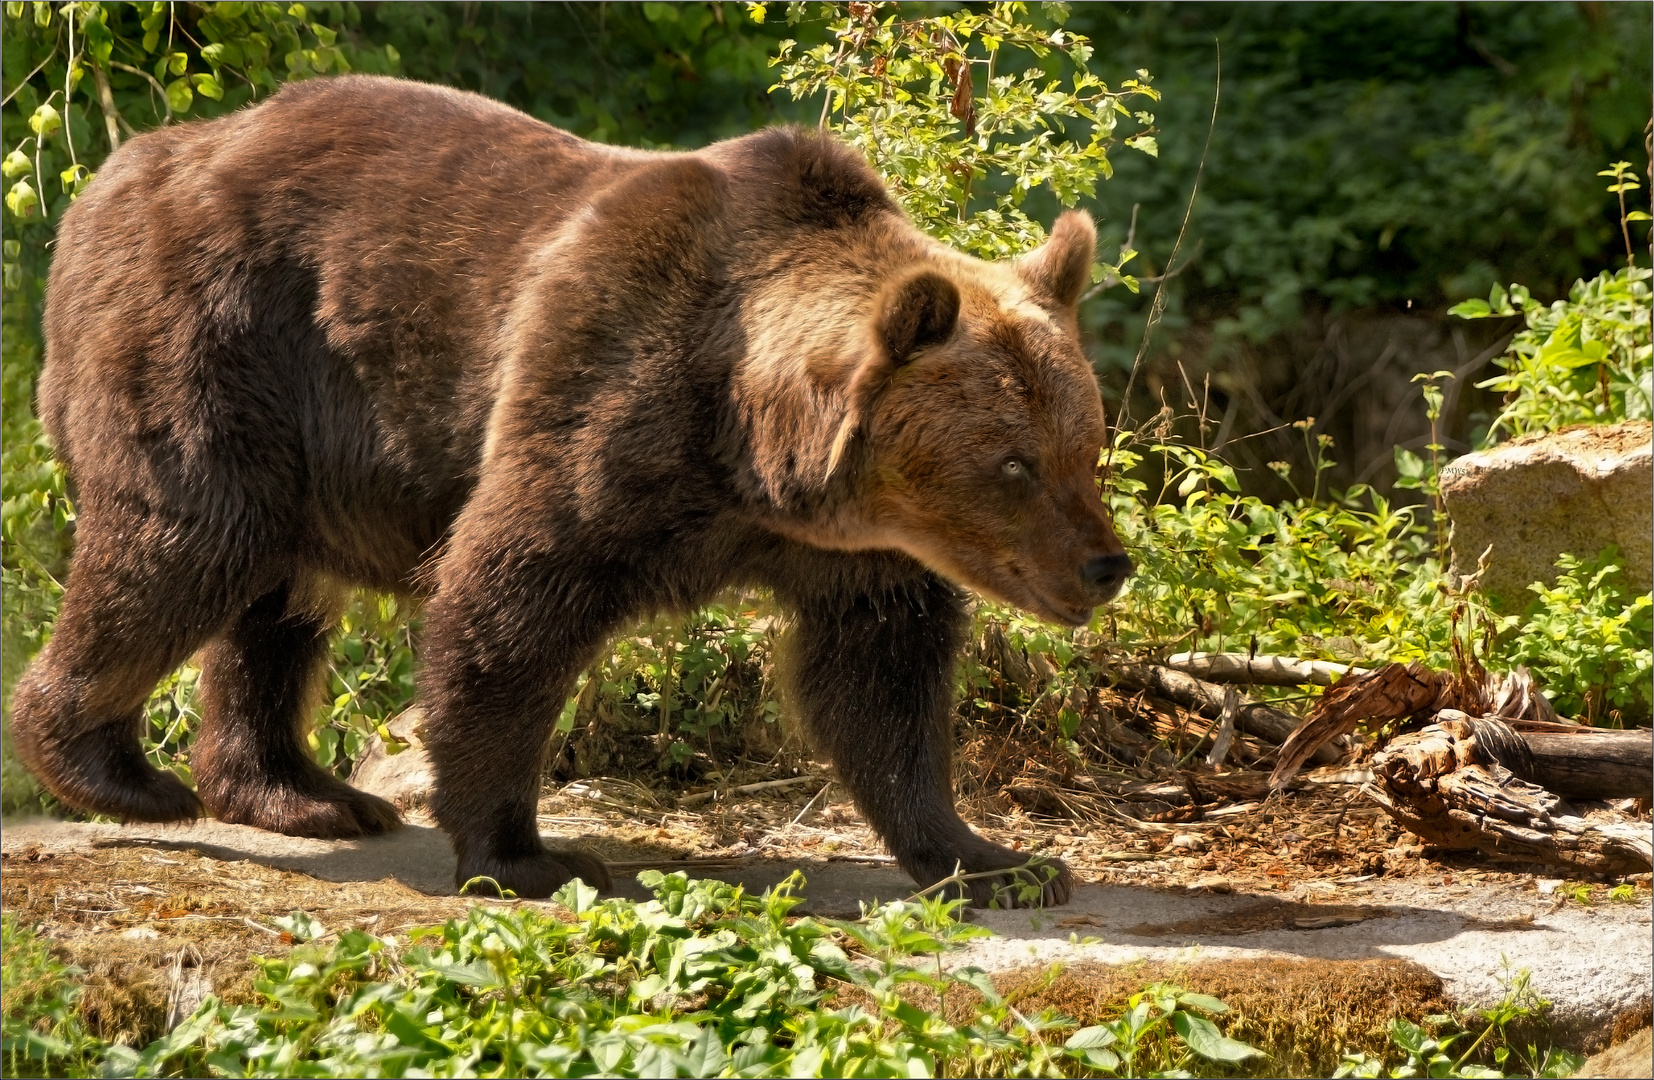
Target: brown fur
[{"x": 380, "y": 334}]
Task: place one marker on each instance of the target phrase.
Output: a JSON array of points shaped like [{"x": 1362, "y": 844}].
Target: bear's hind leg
[
  {"x": 125, "y": 621},
  {"x": 251, "y": 764},
  {"x": 873, "y": 676}
]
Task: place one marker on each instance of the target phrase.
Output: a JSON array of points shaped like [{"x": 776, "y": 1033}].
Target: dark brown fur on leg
[
  {"x": 251, "y": 763},
  {"x": 78, "y": 710},
  {"x": 497, "y": 667},
  {"x": 873, "y": 675}
]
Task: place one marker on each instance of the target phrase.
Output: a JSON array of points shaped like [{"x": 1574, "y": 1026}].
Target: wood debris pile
[{"x": 1466, "y": 760}]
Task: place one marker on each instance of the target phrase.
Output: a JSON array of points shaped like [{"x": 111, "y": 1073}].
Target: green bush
[{"x": 1584, "y": 360}]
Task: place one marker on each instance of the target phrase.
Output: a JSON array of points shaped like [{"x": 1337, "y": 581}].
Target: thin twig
[
  {"x": 49, "y": 58},
  {"x": 112, "y": 118},
  {"x": 699, "y": 797},
  {"x": 809, "y": 804},
  {"x": 68, "y": 89},
  {"x": 1158, "y": 307},
  {"x": 957, "y": 878},
  {"x": 153, "y": 82}
]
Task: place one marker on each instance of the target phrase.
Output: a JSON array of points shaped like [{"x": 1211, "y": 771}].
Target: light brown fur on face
[
  {"x": 980, "y": 442},
  {"x": 550, "y": 387}
]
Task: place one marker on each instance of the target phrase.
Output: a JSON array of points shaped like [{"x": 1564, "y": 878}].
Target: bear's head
[{"x": 974, "y": 425}]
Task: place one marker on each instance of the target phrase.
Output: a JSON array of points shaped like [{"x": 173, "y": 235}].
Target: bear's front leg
[
  {"x": 505, "y": 636},
  {"x": 873, "y": 676}
]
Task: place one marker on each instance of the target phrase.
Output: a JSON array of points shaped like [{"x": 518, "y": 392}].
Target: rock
[
  {"x": 404, "y": 779},
  {"x": 1538, "y": 496},
  {"x": 1633, "y": 1057}
]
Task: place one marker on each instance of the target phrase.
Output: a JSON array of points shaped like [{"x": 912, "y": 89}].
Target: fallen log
[
  {"x": 1225, "y": 667},
  {"x": 1402, "y": 691},
  {"x": 1459, "y": 784},
  {"x": 1252, "y": 717}
]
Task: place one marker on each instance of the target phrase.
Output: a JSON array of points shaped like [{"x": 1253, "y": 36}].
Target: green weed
[{"x": 1434, "y": 1055}]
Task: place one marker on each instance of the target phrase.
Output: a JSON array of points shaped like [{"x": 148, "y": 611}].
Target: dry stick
[
  {"x": 106, "y": 102},
  {"x": 745, "y": 789},
  {"x": 1226, "y": 667},
  {"x": 1254, "y": 718},
  {"x": 809, "y": 804},
  {"x": 49, "y": 58},
  {"x": 1226, "y": 728},
  {"x": 1158, "y": 307}
]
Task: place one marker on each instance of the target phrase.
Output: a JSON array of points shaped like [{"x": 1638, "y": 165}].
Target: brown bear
[{"x": 374, "y": 333}]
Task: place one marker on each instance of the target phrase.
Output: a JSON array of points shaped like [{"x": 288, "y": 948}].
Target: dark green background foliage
[{"x": 1374, "y": 153}]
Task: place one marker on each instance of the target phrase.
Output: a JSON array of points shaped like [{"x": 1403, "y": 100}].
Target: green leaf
[
  {"x": 22, "y": 200},
  {"x": 17, "y": 164},
  {"x": 1203, "y": 1001},
  {"x": 302, "y": 925},
  {"x": 179, "y": 95},
  {"x": 1474, "y": 308},
  {"x": 207, "y": 86},
  {"x": 1205, "y": 1039},
  {"x": 1146, "y": 143},
  {"x": 45, "y": 121},
  {"x": 1089, "y": 1037}
]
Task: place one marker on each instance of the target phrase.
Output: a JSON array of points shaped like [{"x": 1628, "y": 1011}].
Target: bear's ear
[
  {"x": 917, "y": 311},
  {"x": 1060, "y": 269}
]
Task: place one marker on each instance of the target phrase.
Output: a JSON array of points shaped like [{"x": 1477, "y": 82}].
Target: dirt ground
[
  {"x": 1191, "y": 873},
  {"x": 157, "y": 919}
]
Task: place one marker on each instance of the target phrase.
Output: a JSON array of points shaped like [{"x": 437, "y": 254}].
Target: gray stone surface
[
  {"x": 1535, "y": 497},
  {"x": 404, "y": 779},
  {"x": 1594, "y": 963}
]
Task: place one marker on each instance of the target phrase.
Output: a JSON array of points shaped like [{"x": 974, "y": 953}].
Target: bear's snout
[{"x": 1105, "y": 574}]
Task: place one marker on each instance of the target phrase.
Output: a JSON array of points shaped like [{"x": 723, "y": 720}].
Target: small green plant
[
  {"x": 1434, "y": 1055},
  {"x": 1141, "y": 1043},
  {"x": 1588, "y": 359},
  {"x": 40, "y": 1033},
  {"x": 1589, "y": 634}
]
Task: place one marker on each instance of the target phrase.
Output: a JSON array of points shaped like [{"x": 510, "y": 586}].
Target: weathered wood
[
  {"x": 1572, "y": 761},
  {"x": 1252, "y": 717},
  {"x": 1446, "y": 784},
  {"x": 1399, "y": 691},
  {"x": 1594, "y": 764},
  {"x": 1224, "y": 667}
]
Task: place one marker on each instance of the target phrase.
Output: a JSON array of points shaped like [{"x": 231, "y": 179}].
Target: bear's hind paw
[{"x": 329, "y": 810}]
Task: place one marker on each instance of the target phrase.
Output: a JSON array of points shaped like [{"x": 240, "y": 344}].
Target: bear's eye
[{"x": 1014, "y": 468}]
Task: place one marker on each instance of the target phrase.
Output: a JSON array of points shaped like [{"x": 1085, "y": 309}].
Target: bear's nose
[{"x": 1106, "y": 573}]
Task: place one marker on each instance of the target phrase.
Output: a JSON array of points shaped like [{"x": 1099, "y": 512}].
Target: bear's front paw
[
  {"x": 533, "y": 877},
  {"x": 997, "y": 877}
]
